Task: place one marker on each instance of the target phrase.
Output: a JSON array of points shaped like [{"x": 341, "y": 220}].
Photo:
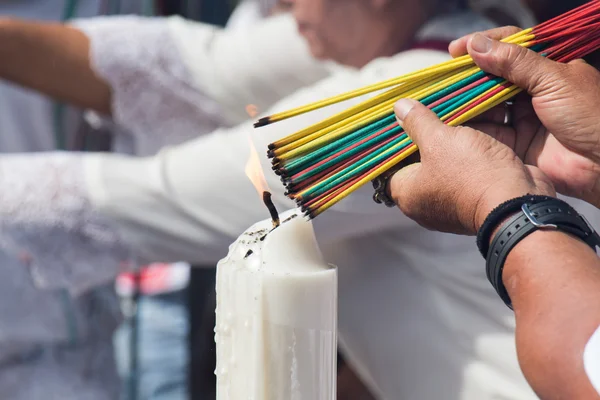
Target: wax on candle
[{"x": 276, "y": 316}]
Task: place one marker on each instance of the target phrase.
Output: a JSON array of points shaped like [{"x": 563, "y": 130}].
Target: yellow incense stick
[
  {"x": 518, "y": 38},
  {"x": 332, "y": 132}
]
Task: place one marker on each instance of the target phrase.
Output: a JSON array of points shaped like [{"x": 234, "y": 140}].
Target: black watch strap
[
  {"x": 499, "y": 214},
  {"x": 551, "y": 214}
]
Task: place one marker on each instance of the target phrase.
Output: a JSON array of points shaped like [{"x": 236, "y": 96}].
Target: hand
[
  {"x": 556, "y": 127},
  {"x": 463, "y": 174}
]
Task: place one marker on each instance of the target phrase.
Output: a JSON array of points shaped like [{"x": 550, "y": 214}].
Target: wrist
[{"x": 495, "y": 196}]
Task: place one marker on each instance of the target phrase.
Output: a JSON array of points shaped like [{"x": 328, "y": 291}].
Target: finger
[
  {"x": 577, "y": 61},
  {"x": 419, "y": 122},
  {"x": 517, "y": 64},
  {"x": 404, "y": 186},
  {"x": 459, "y": 47}
]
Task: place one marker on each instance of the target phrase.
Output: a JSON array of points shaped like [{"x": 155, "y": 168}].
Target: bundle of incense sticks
[{"x": 324, "y": 163}]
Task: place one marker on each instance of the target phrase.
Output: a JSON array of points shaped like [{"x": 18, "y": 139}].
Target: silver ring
[{"x": 508, "y": 115}]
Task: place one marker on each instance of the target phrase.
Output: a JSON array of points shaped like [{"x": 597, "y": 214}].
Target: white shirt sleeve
[
  {"x": 153, "y": 94},
  {"x": 591, "y": 360},
  {"x": 166, "y": 70},
  {"x": 47, "y": 221}
]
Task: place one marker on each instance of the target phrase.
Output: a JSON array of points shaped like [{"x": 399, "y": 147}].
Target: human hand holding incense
[
  {"x": 556, "y": 127},
  {"x": 463, "y": 174}
]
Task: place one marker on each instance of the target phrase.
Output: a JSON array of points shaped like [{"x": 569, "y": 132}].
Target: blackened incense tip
[
  {"x": 271, "y": 154},
  {"x": 272, "y": 146},
  {"x": 275, "y": 160},
  {"x": 271, "y": 207},
  {"x": 309, "y": 214},
  {"x": 262, "y": 122}
]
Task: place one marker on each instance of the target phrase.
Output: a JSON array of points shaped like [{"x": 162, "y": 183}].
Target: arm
[
  {"x": 144, "y": 71},
  {"x": 554, "y": 282},
  {"x": 52, "y": 58},
  {"x": 49, "y": 222},
  {"x": 173, "y": 79}
]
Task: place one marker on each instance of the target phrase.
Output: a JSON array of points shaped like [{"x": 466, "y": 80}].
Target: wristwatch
[{"x": 526, "y": 215}]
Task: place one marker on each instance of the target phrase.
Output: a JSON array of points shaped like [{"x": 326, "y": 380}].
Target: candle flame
[{"x": 255, "y": 172}]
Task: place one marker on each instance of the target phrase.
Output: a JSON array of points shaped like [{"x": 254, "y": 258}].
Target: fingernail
[
  {"x": 481, "y": 44},
  {"x": 402, "y": 108}
]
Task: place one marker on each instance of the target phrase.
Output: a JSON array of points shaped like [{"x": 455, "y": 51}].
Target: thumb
[
  {"x": 519, "y": 65},
  {"x": 420, "y": 123}
]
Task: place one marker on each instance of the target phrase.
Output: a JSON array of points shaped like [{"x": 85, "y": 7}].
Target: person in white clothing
[
  {"x": 417, "y": 317},
  {"x": 550, "y": 277},
  {"x": 174, "y": 92}
]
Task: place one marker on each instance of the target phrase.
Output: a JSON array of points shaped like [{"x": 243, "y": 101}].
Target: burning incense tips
[{"x": 271, "y": 207}]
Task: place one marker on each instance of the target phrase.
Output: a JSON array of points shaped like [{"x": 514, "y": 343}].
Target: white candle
[{"x": 276, "y": 316}]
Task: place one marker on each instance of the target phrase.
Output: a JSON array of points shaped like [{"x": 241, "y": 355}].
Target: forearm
[
  {"x": 553, "y": 280},
  {"x": 53, "y": 59}
]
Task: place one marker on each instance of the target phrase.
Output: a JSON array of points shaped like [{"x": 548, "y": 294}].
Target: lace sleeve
[
  {"x": 153, "y": 95},
  {"x": 46, "y": 220}
]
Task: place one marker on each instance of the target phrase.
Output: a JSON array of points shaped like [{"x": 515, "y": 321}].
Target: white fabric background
[{"x": 591, "y": 360}]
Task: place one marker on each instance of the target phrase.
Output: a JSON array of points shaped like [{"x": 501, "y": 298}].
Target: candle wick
[{"x": 272, "y": 210}]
